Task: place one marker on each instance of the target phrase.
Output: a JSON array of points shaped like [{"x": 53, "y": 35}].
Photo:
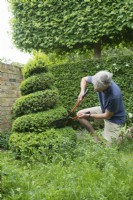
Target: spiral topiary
[{"x": 33, "y": 113}]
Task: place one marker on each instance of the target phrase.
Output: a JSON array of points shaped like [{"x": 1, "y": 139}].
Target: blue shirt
[{"x": 111, "y": 99}]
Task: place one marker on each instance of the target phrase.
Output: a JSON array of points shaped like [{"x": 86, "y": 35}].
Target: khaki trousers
[{"x": 111, "y": 130}]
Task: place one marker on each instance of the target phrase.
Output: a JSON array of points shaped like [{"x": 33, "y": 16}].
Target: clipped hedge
[
  {"x": 35, "y": 66},
  {"x": 67, "y": 80},
  {"x": 36, "y": 83},
  {"x": 68, "y": 77},
  {"x": 38, "y": 122},
  {"x": 32, "y": 135},
  {"x": 44, "y": 147},
  {"x": 36, "y": 102}
]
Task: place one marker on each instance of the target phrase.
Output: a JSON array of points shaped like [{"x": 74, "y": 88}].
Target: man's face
[{"x": 100, "y": 89}]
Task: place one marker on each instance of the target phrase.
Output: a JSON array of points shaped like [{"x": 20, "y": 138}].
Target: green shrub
[
  {"x": 35, "y": 66},
  {"x": 34, "y": 114},
  {"x": 4, "y": 138},
  {"x": 37, "y": 122},
  {"x": 36, "y": 102},
  {"x": 36, "y": 83},
  {"x": 45, "y": 146}
]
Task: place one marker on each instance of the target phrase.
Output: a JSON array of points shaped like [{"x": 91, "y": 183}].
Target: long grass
[{"x": 95, "y": 173}]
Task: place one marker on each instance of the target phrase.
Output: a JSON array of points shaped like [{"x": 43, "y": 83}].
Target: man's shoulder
[
  {"x": 89, "y": 79},
  {"x": 115, "y": 89}
]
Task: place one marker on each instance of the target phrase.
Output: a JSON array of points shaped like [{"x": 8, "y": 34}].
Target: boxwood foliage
[
  {"x": 36, "y": 83},
  {"x": 4, "y": 140},
  {"x": 44, "y": 147},
  {"x": 35, "y": 66},
  {"x": 68, "y": 77},
  {"x": 34, "y": 111},
  {"x": 35, "y": 102},
  {"x": 38, "y": 122}
]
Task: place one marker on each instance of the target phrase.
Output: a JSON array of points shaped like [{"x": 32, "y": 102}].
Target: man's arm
[
  {"x": 106, "y": 115},
  {"x": 83, "y": 84}
]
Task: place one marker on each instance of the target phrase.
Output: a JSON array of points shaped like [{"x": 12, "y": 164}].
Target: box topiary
[
  {"x": 34, "y": 112},
  {"x": 53, "y": 144},
  {"x": 36, "y": 102},
  {"x": 36, "y": 83}
]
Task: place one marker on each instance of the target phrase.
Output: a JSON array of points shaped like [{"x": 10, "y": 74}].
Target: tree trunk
[{"x": 97, "y": 50}]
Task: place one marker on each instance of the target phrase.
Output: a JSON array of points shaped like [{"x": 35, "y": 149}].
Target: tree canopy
[{"x": 56, "y": 25}]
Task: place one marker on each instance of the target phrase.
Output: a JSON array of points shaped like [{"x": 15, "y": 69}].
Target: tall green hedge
[{"x": 68, "y": 77}]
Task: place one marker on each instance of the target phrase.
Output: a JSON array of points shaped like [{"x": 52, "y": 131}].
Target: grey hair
[{"x": 102, "y": 79}]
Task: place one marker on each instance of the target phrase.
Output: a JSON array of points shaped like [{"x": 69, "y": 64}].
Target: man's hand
[
  {"x": 83, "y": 115},
  {"x": 81, "y": 96}
]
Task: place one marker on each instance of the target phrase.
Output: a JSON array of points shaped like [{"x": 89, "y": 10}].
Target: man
[{"x": 111, "y": 108}]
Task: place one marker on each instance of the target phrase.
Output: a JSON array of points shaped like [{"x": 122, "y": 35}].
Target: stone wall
[{"x": 10, "y": 79}]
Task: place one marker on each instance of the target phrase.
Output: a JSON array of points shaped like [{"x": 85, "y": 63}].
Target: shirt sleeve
[{"x": 89, "y": 79}]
